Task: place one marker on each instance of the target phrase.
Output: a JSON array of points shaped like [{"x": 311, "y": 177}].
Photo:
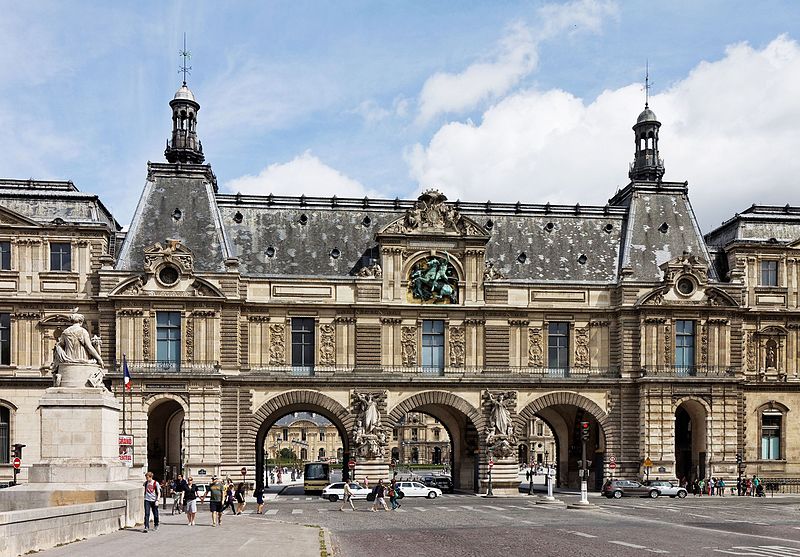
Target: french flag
[{"x": 126, "y": 374}]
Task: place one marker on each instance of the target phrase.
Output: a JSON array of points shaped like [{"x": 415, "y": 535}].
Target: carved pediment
[
  {"x": 700, "y": 296},
  {"x": 686, "y": 264},
  {"x": 9, "y": 217},
  {"x": 185, "y": 286},
  {"x": 432, "y": 215},
  {"x": 173, "y": 251}
]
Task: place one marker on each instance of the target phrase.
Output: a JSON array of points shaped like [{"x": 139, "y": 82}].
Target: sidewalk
[{"x": 247, "y": 535}]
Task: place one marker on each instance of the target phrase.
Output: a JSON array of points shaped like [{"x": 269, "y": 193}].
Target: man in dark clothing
[{"x": 179, "y": 488}]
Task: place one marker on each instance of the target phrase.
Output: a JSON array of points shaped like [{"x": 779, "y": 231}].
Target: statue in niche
[
  {"x": 434, "y": 279},
  {"x": 500, "y": 437},
  {"x": 772, "y": 356},
  {"x": 372, "y": 419},
  {"x": 501, "y": 417}
]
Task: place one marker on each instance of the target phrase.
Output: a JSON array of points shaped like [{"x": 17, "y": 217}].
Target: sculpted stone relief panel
[
  {"x": 501, "y": 438},
  {"x": 189, "y": 339},
  {"x": 408, "y": 343},
  {"x": 369, "y": 435},
  {"x": 667, "y": 343},
  {"x": 277, "y": 344},
  {"x": 146, "y": 338},
  {"x": 535, "y": 349},
  {"x": 457, "y": 346},
  {"x": 582, "y": 347},
  {"x": 327, "y": 345}
]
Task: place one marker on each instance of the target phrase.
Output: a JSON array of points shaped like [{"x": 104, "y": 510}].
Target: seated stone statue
[{"x": 75, "y": 346}]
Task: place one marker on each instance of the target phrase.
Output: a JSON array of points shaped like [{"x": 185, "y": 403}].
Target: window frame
[
  {"x": 558, "y": 331},
  {"x": 433, "y": 342},
  {"x": 5, "y": 339},
  {"x": 766, "y": 452},
  {"x": 170, "y": 328},
  {"x": 61, "y": 266},
  {"x": 5, "y": 443},
  {"x": 303, "y": 344},
  {"x": 683, "y": 347},
  {"x": 771, "y": 273},
  {"x": 5, "y": 255}
]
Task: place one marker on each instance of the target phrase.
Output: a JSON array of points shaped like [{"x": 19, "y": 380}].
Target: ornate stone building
[
  {"x": 234, "y": 310},
  {"x": 309, "y": 436},
  {"x": 419, "y": 439}
]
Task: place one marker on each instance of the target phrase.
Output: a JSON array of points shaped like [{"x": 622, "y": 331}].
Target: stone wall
[{"x": 29, "y": 530}]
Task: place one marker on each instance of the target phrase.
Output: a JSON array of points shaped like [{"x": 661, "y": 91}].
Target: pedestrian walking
[
  {"x": 260, "y": 501},
  {"x": 347, "y": 497},
  {"x": 241, "y": 493},
  {"x": 152, "y": 491},
  {"x": 190, "y": 501},
  {"x": 178, "y": 490},
  {"x": 229, "y": 500},
  {"x": 721, "y": 487},
  {"x": 366, "y": 482},
  {"x": 380, "y": 496},
  {"x": 216, "y": 492}
]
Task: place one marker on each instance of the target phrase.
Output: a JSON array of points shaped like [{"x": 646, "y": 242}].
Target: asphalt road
[{"x": 466, "y": 525}]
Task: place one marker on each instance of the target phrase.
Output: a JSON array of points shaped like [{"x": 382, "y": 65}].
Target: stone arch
[
  {"x": 415, "y": 257},
  {"x": 567, "y": 398},
  {"x": 769, "y": 405},
  {"x": 701, "y": 401},
  {"x": 253, "y": 434},
  {"x": 150, "y": 402},
  {"x": 435, "y": 398}
]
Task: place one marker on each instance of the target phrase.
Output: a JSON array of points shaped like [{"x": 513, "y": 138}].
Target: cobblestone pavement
[{"x": 468, "y": 525}]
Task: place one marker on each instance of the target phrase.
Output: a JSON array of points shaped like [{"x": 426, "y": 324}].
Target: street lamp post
[
  {"x": 489, "y": 492},
  {"x": 548, "y": 478}
]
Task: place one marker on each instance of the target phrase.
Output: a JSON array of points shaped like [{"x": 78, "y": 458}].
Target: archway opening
[
  {"x": 690, "y": 441},
  {"x": 447, "y": 429},
  {"x": 296, "y": 435},
  {"x": 165, "y": 436}
]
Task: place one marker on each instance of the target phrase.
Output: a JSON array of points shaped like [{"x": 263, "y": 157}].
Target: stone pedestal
[
  {"x": 505, "y": 477},
  {"x": 79, "y": 449},
  {"x": 374, "y": 470}
]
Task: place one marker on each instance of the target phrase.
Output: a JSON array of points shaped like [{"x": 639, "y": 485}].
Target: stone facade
[{"x": 233, "y": 310}]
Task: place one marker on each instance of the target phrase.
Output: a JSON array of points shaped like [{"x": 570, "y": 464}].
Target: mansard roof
[
  {"x": 552, "y": 237},
  {"x": 45, "y": 201},
  {"x": 759, "y": 224}
]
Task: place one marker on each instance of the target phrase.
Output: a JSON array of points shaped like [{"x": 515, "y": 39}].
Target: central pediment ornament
[
  {"x": 431, "y": 214},
  {"x": 173, "y": 251}
]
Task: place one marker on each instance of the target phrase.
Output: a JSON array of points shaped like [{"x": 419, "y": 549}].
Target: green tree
[{"x": 288, "y": 454}]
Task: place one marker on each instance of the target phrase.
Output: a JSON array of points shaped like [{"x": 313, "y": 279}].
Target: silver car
[{"x": 667, "y": 488}]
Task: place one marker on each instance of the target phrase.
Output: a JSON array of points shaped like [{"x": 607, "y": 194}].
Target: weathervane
[
  {"x": 186, "y": 56},
  {"x": 647, "y": 84}
]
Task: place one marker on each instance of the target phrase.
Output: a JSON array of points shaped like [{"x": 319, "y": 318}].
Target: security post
[
  {"x": 584, "y": 470},
  {"x": 17, "y": 461}
]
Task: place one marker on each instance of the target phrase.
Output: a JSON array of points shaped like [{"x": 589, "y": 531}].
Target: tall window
[
  {"x": 168, "y": 337},
  {"x": 433, "y": 344},
  {"x": 771, "y": 435},
  {"x": 5, "y": 434},
  {"x": 303, "y": 343},
  {"x": 5, "y": 256},
  {"x": 684, "y": 344},
  {"x": 5, "y": 339},
  {"x": 322, "y": 435},
  {"x": 60, "y": 256},
  {"x": 414, "y": 434},
  {"x": 394, "y": 434},
  {"x": 303, "y": 435},
  {"x": 558, "y": 345},
  {"x": 285, "y": 434},
  {"x": 435, "y": 434},
  {"x": 321, "y": 453},
  {"x": 769, "y": 273}
]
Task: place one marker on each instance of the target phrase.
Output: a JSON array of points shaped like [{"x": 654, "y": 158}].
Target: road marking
[
  {"x": 517, "y": 507},
  {"x": 309, "y": 498},
  {"x": 450, "y": 509},
  {"x": 272, "y": 512},
  {"x": 698, "y": 515},
  {"x": 297, "y": 511},
  {"x": 324, "y": 510},
  {"x": 473, "y": 509},
  {"x": 493, "y": 508},
  {"x": 400, "y": 511},
  {"x": 761, "y": 550},
  {"x": 295, "y": 498},
  {"x": 529, "y": 522},
  {"x": 420, "y": 509},
  {"x": 581, "y": 534},
  {"x": 626, "y": 544}
]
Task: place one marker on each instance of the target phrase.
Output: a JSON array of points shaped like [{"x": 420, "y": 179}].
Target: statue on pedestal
[
  {"x": 369, "y": 439},
  {"x": 500, "y": 436},
  {"x": 77, "y": 350}
]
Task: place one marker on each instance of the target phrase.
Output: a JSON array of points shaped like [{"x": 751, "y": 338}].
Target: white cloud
[
  {"x": 730, "y": 128},
  {"x": 305, "y": 174},
  {"x": 516, "y": 56}
]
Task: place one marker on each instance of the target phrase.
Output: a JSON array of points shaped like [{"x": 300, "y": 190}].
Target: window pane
[
  {"x": 303, "y": 342},
  {"x": 769, "y": 273},
  {"x": 558, "y": 345},
  {"x": 684, "y": 343},
  {"x": 60, "y": 256},
  {"x": 168, "y": 336},
  {"x": 433, "y": 344},
  {"x": 5, "y": 437},
  {"x": 5, "y": 339},
  {"x": 5, "y": 256}
]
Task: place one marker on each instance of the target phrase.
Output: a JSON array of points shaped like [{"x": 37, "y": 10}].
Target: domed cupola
[
  {"x": 184, "y": 147},
  {"x": 647, "y": 166}
]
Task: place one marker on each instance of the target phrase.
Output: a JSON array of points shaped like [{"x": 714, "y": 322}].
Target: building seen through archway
[
  {"x": 420, "y": 439},
  {"x": 303, "y": 437},
  {"x": 165, "y": 439}
]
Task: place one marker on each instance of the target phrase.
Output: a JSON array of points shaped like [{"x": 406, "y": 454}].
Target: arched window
[
  {"x": 5, "y": 434},
  {"x": 321, "y": 453},
  {"x": 303, "y": 454},
  {"x": 772, "y": 427}
]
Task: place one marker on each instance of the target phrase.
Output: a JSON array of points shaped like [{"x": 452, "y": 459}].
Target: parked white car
[
  {"x": 666, "y": 488},
  {"x": 417, "y": 489},
  {"x": 335, "y": 491}
]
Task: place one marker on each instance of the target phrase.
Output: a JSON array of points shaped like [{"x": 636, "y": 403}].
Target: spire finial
[
  {"x": 647, "y": 84},
  {"x": 184, "y": 68}
]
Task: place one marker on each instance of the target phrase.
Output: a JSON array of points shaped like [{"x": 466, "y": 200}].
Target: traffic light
[
  {"x": 18, "y": 450},
  {"x": 585, "y": 431},
  {"x": 738, "y": 458}
]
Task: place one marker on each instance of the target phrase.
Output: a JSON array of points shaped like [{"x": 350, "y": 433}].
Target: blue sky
[{"x": 486, "y": 100}]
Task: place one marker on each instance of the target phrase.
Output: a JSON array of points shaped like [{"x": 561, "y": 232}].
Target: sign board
[
  {"x": 202, "y": 472},
  {"x": 647, "y": 462},
  {"x": 16, "y": 463},
  {"x": 351, "y": 464},
  {"x": 491, "y": 463},
  {"x": 612, "y": 465},
  {"x": 243, "y": 471},
  {"x": 613, "y": 459},
  {"x": 126, "y": 450}
]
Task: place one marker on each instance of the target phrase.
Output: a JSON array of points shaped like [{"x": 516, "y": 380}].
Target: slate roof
[
  {"x": 255, "y": 223},
  {"x": 758, "y": 223},
  {"x": 45, "y": 201},
  {"x": 290, "y": 419}
]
